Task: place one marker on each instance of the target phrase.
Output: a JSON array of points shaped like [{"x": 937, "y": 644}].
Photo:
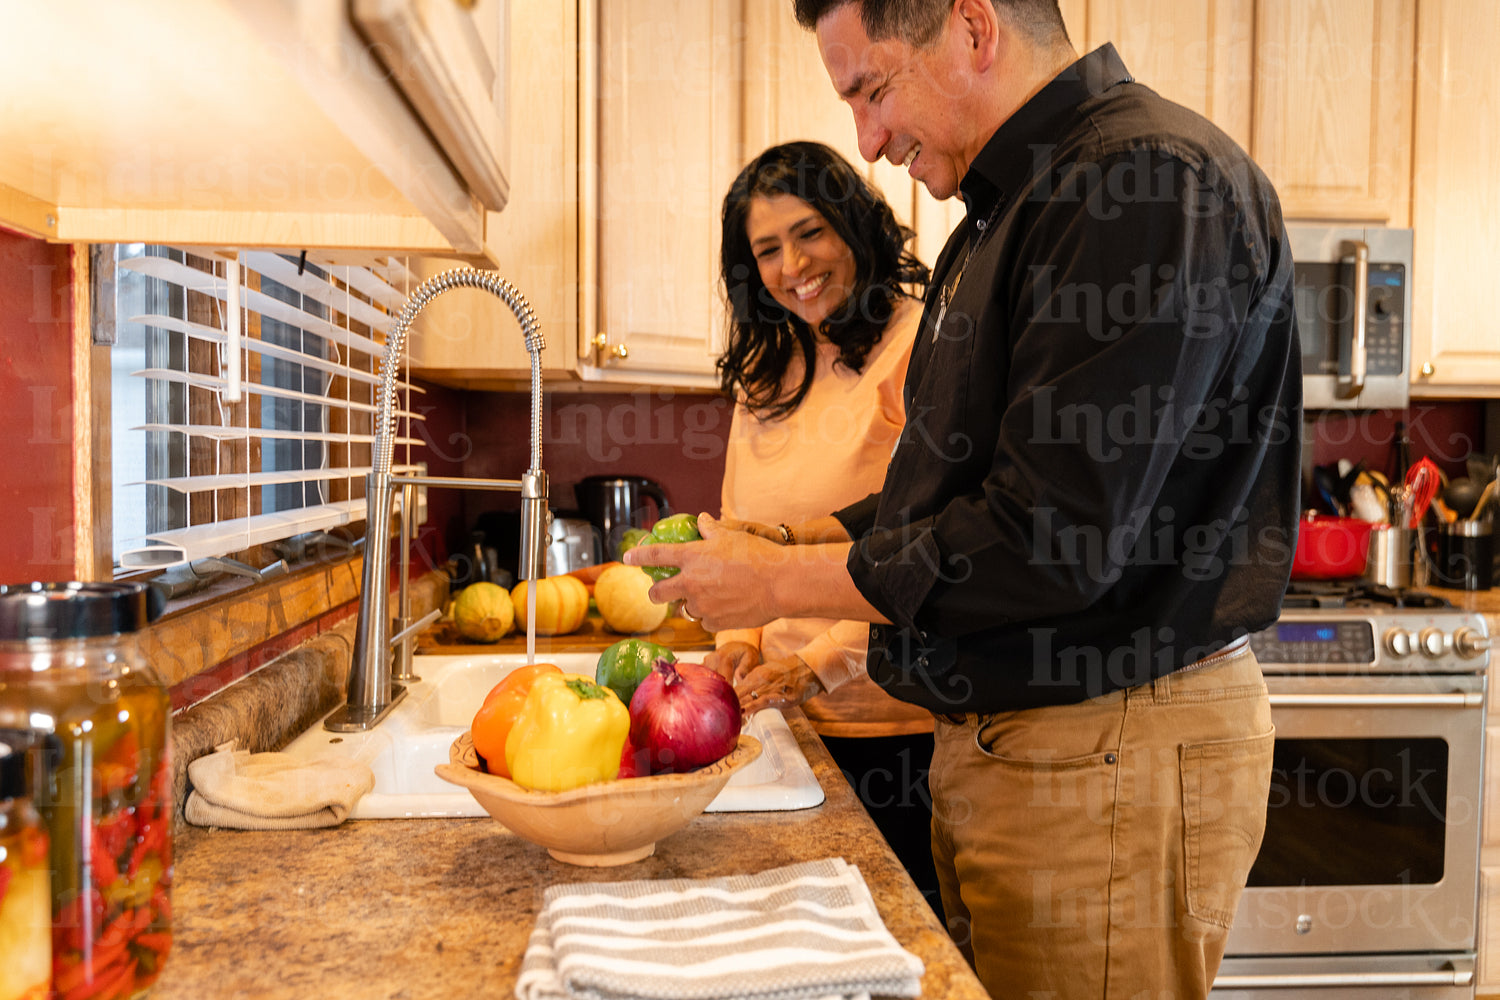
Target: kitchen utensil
[
  {"x": 1365, "y": 504},
  {"x": 1329, "y": 547},
  {"x": 616, "y": 503},
  {"x": 1391, "y": 556},
  {"x": 609, "y": 823},
  {"x": 1422, "y": 484},
  {"x": 1461, "y": 494},
  {"x": 1483, "y": 502},
  {"x": 1326, "y": 484},
  {"x": 1466, "y": 555},
  {"x": 572, "y": 543}
]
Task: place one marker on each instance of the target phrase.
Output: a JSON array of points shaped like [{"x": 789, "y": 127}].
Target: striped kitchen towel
[{"x": 804, "y": 932}]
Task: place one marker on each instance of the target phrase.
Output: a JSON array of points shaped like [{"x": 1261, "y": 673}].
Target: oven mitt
[{"x": 273, "y": 791}]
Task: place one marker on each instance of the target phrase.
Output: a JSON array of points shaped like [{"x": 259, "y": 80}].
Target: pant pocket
[{"x": 1225, "y": 785}]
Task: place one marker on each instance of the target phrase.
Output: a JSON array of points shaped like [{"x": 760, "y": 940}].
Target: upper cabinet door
[
  {"x": 448, "y": 58},
  {"x": 1197, "y": 54},
  {"x": 662, "y": 113},
  {"x": 1456, "y": 336},
  {"x": 1332, "y": 121}
]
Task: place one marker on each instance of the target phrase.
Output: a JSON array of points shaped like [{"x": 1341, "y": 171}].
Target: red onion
[{"x": 684, "y": 716}]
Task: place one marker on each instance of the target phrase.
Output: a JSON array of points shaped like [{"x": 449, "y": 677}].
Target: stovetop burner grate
[{"x": 1356, "y": 594}]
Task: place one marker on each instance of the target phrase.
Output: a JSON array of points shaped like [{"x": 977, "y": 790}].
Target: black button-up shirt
[{"x": 1098, "y": 480}]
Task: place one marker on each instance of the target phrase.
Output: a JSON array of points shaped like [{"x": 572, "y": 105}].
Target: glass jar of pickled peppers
[{"x": 74, "y": 685}]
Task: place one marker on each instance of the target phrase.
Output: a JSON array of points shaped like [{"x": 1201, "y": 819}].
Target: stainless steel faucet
[{"x": 373, "y": 690}]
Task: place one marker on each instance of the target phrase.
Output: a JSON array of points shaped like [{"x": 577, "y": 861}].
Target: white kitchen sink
[{"x": 403, "y": 750}]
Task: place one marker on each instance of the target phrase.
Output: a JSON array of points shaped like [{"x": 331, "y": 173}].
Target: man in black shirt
[{"x": 1092, "y": 505}]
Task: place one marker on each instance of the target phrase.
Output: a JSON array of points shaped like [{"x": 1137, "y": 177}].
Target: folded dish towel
[
  {"x": 273, "y": 791},
  {"x": 802, "y": 932}
]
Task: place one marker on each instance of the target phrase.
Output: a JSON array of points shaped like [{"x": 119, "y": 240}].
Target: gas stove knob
[
  {"x": 1400, "y": 642},
  {"x": 1468, "y": 643},
  {"x": 1433, "y": 642}
]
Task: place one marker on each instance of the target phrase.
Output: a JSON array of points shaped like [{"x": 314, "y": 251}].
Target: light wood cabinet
[
  {"x": 467, "y": 338},
  {"x": 1456, "y": 336},
  {"x": 660, "y": 128},
  {"x": 267, "y": 123},
  {"x": 1333, "y": 106},
  {"x": 1319, "y": 92}
]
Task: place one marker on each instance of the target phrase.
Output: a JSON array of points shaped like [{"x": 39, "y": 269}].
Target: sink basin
[{"x": 403, "y": 750}]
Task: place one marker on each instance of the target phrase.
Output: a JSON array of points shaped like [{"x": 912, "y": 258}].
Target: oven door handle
[
  {"x": 1456, "y": 699},
  {"x": 1354, "y": 384},
  {"x": 1329, "y": 980}
]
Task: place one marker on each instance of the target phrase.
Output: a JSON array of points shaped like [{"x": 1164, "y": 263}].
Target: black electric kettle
[{"x": 615, "y": 503}]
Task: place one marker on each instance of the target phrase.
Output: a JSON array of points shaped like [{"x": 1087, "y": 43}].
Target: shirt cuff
[
  {"x": 837, "y": 656},
  {"x": 859, "y": 517},
  {"x": 728, "y": 635},
  {"x": 896, "y": 569}
]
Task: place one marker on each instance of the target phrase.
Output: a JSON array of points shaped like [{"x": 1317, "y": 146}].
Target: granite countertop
[{"x": 443, "y": 908}]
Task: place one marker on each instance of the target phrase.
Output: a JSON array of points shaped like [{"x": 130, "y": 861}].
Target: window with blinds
[{"x": 243, "y": 398}]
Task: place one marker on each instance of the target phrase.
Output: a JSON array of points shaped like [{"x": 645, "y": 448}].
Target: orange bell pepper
[{"x": 493, "y": 722}]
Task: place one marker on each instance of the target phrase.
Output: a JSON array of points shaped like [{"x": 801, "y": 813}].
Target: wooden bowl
[{"x": 611, "y": 823}]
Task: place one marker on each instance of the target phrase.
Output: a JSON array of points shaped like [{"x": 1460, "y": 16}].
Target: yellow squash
[{"x": 562, "y": 603}]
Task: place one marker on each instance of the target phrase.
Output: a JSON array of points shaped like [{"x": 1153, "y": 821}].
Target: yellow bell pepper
[{"x": 570, "y": 732}]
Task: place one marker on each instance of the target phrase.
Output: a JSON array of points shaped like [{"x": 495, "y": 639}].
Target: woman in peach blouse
[{"x": 822, "y": 317}]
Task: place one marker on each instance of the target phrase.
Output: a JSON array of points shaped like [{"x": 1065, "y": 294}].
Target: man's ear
[{"x": 980, "y": 30}]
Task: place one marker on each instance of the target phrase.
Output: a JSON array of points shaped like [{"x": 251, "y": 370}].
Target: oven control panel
[{"x": 1409, "y": 641}]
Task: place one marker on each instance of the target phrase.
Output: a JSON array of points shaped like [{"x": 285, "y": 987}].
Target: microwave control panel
[{"x": 1386, "y": 306}]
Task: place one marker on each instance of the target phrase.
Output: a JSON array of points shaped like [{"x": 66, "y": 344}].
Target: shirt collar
[{"x": 1008, "y": 159}]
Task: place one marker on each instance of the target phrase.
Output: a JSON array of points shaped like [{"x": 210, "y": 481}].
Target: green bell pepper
[
  {"x": 672, "y": 530},
  {"x": 624, "y": 665}
]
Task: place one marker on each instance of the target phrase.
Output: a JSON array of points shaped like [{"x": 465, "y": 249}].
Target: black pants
[{"x": 889, "y": 774}]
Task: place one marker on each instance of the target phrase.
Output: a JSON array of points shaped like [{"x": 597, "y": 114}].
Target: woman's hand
[
  {"x": 767, "y": 531},
  {"x": 732, "y": 659},
  {"x": 776, "y": 684}
]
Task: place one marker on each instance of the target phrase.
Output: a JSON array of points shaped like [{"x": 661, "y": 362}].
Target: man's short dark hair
[{"x": 917, "y": 22}]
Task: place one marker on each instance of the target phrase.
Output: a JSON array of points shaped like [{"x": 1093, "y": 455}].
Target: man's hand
[{"x": 725, "y": 579}]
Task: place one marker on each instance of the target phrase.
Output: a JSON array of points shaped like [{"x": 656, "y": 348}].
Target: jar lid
[{"x": 76, "y": 610}]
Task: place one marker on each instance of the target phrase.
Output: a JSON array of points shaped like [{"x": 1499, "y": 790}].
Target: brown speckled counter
[{"x": 443, "y": 908}]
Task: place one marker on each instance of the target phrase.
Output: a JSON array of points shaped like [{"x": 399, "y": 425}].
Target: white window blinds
[{"x": 243, "y": 398}]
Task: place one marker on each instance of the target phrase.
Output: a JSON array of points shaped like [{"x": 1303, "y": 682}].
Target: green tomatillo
[{"x": 671, "y": 530}]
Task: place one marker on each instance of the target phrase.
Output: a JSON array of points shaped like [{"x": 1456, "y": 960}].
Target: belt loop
[{"x": 1161, "y": 689}]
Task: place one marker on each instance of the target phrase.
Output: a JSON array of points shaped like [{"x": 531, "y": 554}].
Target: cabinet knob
[
  {"x": 604, "y": 353},
  {"x": 1427, "y": 371}
]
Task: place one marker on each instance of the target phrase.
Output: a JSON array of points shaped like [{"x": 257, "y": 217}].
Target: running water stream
[{"x": 531, "y": 623}]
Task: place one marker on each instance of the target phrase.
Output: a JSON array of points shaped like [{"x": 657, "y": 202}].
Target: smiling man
[{"x": 1092, "y": 505}]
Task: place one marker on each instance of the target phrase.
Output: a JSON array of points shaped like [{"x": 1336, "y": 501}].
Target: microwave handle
[{"x": 1358, "y": 356}]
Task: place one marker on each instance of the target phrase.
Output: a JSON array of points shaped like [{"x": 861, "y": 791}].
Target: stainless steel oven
[
  {"x": 1367, "y": 880},
  {"x": 1353, "y": 302}
]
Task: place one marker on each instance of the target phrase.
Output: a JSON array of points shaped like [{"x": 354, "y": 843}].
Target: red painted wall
[
  {"x": 672, "y": 437},
  {"x": 1444, "y": 430},
  {"x": 36, "y": 416}
]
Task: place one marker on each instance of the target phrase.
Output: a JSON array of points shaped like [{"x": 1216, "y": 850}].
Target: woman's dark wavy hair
[{"x": 763, "y": 335}]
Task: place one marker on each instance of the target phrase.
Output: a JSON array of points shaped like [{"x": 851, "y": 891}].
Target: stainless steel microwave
[{"x": 1353, "y": 302}]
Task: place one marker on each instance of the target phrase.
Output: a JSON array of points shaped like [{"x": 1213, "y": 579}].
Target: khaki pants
[{"x": 1098, "y": 850}]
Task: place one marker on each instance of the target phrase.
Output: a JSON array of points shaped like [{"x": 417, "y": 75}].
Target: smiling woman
[{"x": 817, "y": 274}]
